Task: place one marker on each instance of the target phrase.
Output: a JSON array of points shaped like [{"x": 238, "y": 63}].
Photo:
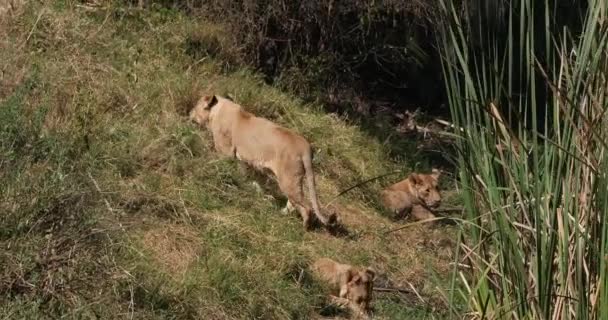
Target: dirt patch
[{"x": 174, "y": 248}]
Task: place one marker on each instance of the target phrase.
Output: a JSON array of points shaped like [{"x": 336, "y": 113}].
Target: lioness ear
[{"x": 211, "y": 101}]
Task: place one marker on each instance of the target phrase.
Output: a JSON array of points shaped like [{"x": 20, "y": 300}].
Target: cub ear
[
  {"x": 355, "y": 280},
  {"x": 370, "y": 273},
  {"x": 350, "y": 274},
  {"x": 435, "y": 173},
  {"x": 415, "y": 178}
]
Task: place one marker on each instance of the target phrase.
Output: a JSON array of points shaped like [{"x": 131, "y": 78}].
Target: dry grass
[
  {"x": 102, "y": 171},
  {"x": 174, "y": 248}
]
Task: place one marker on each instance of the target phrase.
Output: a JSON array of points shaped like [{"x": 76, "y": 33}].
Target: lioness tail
[{"x": 310, "y": 181}]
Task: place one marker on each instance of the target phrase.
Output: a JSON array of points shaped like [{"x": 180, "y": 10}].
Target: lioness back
[{"x": 261, "y": 140}]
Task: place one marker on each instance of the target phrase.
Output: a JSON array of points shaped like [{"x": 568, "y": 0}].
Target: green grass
[
  {"x": 535, "y": 244},
  {"x": 115, "y": 206}
]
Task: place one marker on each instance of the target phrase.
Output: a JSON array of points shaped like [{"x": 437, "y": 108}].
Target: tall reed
[{"x": 530, "y": 91}]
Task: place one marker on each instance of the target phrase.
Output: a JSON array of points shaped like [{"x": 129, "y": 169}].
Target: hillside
[{"x": 115, "y": 206}]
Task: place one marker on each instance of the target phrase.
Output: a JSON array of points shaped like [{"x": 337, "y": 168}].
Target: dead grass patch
[
  {"x": 420, "y": 246},
  {"x": 353, "y": 217},
  {"x": 173, "y": 247},
  {"x": 8, "y": 9}
]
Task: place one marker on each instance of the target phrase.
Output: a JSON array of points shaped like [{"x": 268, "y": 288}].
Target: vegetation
[
  {"x": 344, "y": 53},
  {"x": 530, "y": 95},
  {"x": 114, "y": 206}
]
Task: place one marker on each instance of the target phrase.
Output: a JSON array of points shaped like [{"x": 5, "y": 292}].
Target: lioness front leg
[{"x": 224, "y": 146}]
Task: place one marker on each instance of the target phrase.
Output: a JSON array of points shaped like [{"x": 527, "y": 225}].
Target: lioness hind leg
[{"x": 292, "y": 188}]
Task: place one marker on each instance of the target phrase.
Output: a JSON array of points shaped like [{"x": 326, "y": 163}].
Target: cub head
[
  {"x": 359, "y": 288},
  {"x": 426, "y": 187},
  {"x": 202, "y": 109}
]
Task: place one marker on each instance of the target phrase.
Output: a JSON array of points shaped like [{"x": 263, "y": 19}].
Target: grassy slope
[{"x": 113, "y": 205}]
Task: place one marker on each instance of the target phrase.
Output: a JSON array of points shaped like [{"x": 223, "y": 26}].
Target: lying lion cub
[
  {"x": 415, "y": 192},
  {"x": 263, "y": 145},
  {"x": 351, "y": 283}
]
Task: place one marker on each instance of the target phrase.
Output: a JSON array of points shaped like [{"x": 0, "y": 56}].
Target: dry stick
[
  {"x": 100, "y": 192},
  {"x": 448, "y": 124},
  {"x": 455, "y": 209},
  {"x": 520, "y": 203},
  {"x": 360, "y": 184},
  {"x": 393, "y": 289},
  {"x": 403, "y": 291},
  {"x": 415, "y": 223},
  {"x": 425, "y": 131},
  {"x": 416, "y": 292},
  {"x": 33, "y": 28}
]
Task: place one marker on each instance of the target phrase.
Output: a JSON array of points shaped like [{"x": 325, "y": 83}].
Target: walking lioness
[
  {"x": 263, "y": 144},
  {"x": 413, "y": 192}
]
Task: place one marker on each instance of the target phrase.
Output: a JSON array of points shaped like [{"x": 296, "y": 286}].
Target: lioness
[
  {"x": 417, "y": 190},
  {"x": 263, "y": 145},
  {"x": 351, "y": 283}
]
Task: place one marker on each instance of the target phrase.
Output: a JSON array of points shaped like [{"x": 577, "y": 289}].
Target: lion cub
[
  {"x": 263, "y": 144},
  {"x": 415, "y": 192},
  {"x": 351, "y": 283}
]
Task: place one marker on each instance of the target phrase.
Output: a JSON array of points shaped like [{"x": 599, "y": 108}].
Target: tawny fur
[
  {"x": 263, "y": 144},
  {"x": 347, "y": 282},
  {"x": 414, "y": 192}
]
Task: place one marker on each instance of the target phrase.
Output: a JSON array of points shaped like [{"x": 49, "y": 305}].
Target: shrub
[{"x": 384, "y": 48}]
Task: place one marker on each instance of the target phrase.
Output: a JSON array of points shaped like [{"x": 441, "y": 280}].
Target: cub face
[
  {"x": 426, "y": 186},
  {"x": 359, "y": 288},
  {"x": 201, "y": 111}
]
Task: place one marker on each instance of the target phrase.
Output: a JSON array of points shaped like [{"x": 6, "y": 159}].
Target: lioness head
[
  {"x": 359, "y": 288},
  {"x": 426, "y": 187},
  {"x": 202, "y": 109}
]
